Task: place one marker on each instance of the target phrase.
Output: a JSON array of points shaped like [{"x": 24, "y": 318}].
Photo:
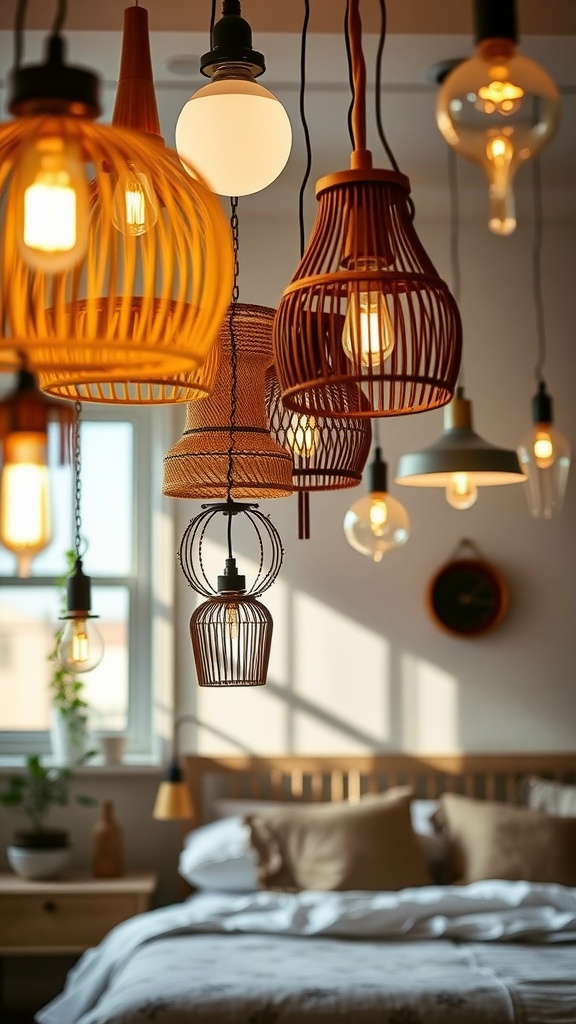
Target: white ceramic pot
[
  {"x": 38, "y": 864},
  {"x": 69, "y": 741}
]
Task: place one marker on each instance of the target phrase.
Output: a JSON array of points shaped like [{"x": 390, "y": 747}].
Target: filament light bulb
[
  {"x": 378, "y": 514},
  {"x": 25, "y": 497},
  {"x": 80, "y": 648},
  {"x": 461, "y": 492},
  {"x": 53, "y": 206},
  {"x": 544, "y": 453},
  {"x": 232, "y": 621},
  {"x": 368, "y": 334},
  {"x": 303, "y": 436},
  {"x": 135, "y": 207},
  {"x": 502, "y": 216},
  {"x": 375, "y": 524}
]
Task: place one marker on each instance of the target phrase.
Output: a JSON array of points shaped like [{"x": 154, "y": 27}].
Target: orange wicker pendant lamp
[
  {"x": 104, "y": 308},
  {"x": 366, "y": 313}
]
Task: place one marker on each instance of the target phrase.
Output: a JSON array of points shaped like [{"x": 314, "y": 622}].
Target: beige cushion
[
  {"x": 550, "y": 797},
  {"x": 366, "y": 845},
  {"x": 493, "y": 840}
]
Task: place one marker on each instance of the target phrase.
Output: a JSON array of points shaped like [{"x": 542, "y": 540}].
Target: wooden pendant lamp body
[
  {"x": 364, "y": 246},
  {"x": 136, "y": 319},
  {"x": 197, "y": 465}
]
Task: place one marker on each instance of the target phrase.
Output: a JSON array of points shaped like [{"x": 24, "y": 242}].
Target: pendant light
[
  {"x": 231, "y": 632},
  {"x": 498, "y": 108},
  {"x": 460, "y": 460},
  {"x": 96, "y": 310},
  {"x": 25, "y": 526},
  {"x": 544, "y": 453},
  {"x": 366, "y": 327},
  {"x": 235, "y": 132},
  {"x": 80, "y": 647},
  {"x": 376, "y": 523}
]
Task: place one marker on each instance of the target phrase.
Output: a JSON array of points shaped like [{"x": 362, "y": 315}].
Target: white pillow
[
  {"x": 219, "y": 855},
  {"x": 550, "y": 797}
]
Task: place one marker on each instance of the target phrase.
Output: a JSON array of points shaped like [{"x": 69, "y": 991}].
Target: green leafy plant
[
  {"x": 41, "y": 788},
  {"x": 66, "y": 689}
]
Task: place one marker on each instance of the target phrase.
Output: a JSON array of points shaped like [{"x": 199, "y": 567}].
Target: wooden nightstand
[{"x": 67, "y": 915}]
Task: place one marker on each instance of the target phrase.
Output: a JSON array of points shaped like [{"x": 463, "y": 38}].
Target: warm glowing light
[
  {"x": 232, "y": 621},
  {"x": 80, "y": 648},
  {"x": 53, "y": 210},
  {"x": 368, "y": 334},
  {"x": 501, "y": 96},
  {"x": 24, "y": 497},
  {"x": 378, "y": 514},
  {"x": 135, "y": 207},
  {"x": 303, "y": 436},
  {"x": 461, "y": 492},
  {"x": 375, "y": 524},
  {"x": 543, "y": 448},
  {"x": 502, "y": 217}
]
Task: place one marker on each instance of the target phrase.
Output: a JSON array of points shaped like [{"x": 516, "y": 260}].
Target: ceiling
[{"x": 420, "y": 34}]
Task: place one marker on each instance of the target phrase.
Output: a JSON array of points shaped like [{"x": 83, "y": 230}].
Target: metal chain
[
  {"x": 233, "y": 354},
  {"x": 77, "y": 481}
]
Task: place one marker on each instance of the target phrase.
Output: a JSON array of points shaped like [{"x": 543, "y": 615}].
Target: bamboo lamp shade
[{"x": 197, "y": 465}]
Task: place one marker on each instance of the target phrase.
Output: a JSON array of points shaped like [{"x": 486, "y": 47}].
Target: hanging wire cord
[
  {"x": 233, "y": 366},
  {"x": 77, "y": 482},
  {"x": 304, "y": 123},
  {"x": 19, "y": 20},
  {"x": 455, "y": 275},
  {"x": 378, "y": 100},
  {"x": 537, "y": 269}
]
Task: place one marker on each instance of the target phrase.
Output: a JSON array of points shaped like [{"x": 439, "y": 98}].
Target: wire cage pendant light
[
  {"x": 103, "y": 313},
  {"x": 366, "y": 313},
  {"x": 196, "y": 466}
]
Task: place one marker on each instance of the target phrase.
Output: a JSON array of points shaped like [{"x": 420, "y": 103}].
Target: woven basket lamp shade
[
  {"x": 400, "y": 344},
  {"x": 328, "y": 454},
  {"x": 135, "y": 317},
  {"x": 231, "y": 632},
  {"x": 197, "y": 465}
]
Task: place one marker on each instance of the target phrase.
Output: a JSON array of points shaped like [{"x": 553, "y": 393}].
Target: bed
[{"x": 491, "y": 949}]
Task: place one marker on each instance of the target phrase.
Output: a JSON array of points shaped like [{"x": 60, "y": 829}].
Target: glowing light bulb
[
  {"x": 368, "y": 334},
  {"x": 25, "y": 497},
  {"x": 375, "y": 524},
  {"x": 378, "y": 515},
  {"x": 461, "y": 492},
  {"x": 544, "y": 452},
  {"x": 502, "y": 216},
  {"x": 53, "y": 206},
  {"x": 135, "y": 207},
  {"x": 303, "y": 436},
  {"x": 80, "y": 648},
  {"x": 232, "y": 621}
]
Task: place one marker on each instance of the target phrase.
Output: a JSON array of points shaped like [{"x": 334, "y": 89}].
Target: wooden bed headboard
[{"x": 330, "y": 777}]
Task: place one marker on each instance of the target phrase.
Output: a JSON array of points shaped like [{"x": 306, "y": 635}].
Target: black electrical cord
[
  {"x": 537, "y": 269},
  {"x": 305, "y": 129},
  {"x": 377, "y": 88}
]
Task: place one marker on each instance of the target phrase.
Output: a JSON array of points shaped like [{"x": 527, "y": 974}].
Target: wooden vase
[{"x": 107, "y": 844}]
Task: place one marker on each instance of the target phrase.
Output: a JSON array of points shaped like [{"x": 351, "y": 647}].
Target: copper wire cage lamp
[
  {"x": 399, "y": 346},
  {"x": 112, "y": 317}
]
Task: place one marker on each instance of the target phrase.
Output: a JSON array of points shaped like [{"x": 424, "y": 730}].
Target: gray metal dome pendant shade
[{"x": 459, "y": 452}]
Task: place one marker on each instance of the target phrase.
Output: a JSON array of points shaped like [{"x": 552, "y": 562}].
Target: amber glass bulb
[{"x": 24, "y": 497}]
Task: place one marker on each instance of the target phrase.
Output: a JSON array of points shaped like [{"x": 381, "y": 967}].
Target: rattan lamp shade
[{"x": 197, "y": 465}]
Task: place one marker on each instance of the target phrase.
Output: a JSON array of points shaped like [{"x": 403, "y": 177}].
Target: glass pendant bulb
[
  {"x": 368, "y": 334},
  {"x": 544, "y": 455},
  {"x": 302, "y": 435},
  {"x": 461, "y": 492},
  {"x": 376, "y": 523},
  {"x": 498, "y": 108},
  {"x": 80, "y": 648},
  {"x": 52, "y": 204},
  {"x": 134, "y": 207},
  {"x": 25, "y": 497}
]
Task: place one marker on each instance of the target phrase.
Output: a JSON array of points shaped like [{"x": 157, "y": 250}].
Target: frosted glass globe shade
[{"x": 236, "y": 134}]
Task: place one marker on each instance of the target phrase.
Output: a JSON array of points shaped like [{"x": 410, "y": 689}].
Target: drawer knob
[{"x": 49, "y": 906}]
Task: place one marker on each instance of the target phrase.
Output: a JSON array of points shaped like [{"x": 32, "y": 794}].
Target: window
[{"x": 123, "y": 523}]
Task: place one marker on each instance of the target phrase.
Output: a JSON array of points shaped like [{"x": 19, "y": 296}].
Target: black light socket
[
  {"x": 54, "y": 82},
  {"x": 378, "y": 474},
  {"x": 232, "y": 581},
  {"x": 495, "y": 19},
  {"x": 542, "y": 405},
  {"x": 232, "y": 43},
  {"x": 78, "y": 591},
  {"x": 174, "y": 772}
]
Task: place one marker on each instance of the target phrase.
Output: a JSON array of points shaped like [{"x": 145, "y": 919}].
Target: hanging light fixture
[
  {"x": 376, "y": 523},
  {"x": 233, "y": 130},
  {"x": 101, "y": 313},
  {"x": 366, "y": 327},
  {"x": 497, "y": 108},
  {"x": 544, "y": 453},
  {"x": 460, "y": 460},
  {"x": 25, "y": 526},
  {"x": 80, "y": 647}
]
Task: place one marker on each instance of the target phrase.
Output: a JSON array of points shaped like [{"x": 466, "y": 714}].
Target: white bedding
[{"x": 290, "y": 958}]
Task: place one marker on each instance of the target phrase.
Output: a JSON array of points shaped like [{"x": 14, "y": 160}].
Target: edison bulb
[
  {"x": 368, "y": 334},
  {"x": 135, "y": 207},
  {"x": 25, "y": 497},
  {"x": 543, "y": 446},
  {"x": 498, "y": 109},
  {"x": 53, "y": 206},
  {"x": 375, "y": 524},
  {"x": 544, "y": 455},
  {"x": 461, "y": 492},
  {"x": 235, "y": 133},
  {"x": 80, "y": 648},
  {"x": 232, "y": 620},
  {"x": 302, "y": 435}
]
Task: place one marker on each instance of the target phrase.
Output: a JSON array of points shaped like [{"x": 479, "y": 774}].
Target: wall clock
[{"x": 467, "y": 596}]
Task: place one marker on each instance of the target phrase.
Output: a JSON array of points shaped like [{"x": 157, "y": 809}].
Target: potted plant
[
  {"x": 38, "y": 851},
  {"x": 70, "y": 719}
]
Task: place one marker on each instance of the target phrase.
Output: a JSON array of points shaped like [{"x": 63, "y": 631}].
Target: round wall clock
[{"x": 468, "y": 596}]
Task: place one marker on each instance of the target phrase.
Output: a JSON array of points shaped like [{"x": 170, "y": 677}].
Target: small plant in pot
[{"x": 37, "y": 851}]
